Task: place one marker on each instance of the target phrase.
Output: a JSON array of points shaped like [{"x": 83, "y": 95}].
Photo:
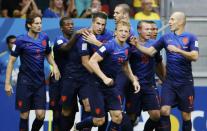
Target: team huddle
[{"x": 106, "y": 72}]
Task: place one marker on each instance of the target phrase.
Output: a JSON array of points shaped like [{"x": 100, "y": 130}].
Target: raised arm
[
  {"x": 72, "y": 41},
  {"x": 35, "y": 8},
  {"x": 151, "y": 51},
  {"x": 10, "y": 66},
  {"x": 25, "y": 8}
]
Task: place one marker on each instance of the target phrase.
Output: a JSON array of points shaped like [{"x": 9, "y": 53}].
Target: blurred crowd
[{"x": 140, "y": 9}]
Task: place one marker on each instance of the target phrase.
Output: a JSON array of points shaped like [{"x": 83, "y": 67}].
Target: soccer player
[
  {"x": 143, "y": 67},
  {"x": 181, "y": 49},
  {"x": 97, "y": 35},
  {"x": 62, "y": 45},
  {"x": 112, "y": 56},
  {"x": 10, "y": 40},
  {"x": 32, "y": 48},
  {"x": 90, "y": 42},
  {"x": 154, "y": 30}
]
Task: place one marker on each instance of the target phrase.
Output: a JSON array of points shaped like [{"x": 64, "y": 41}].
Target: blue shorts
[
  {"x": 72, "y": 87},
  {"x": 54, "y": 94},
  {"x": 105, "y": 99},
  {"x": 29, "y": 96},
  {"x": 121, "y": 83},
  {"x": 146, "y": 99},
  {"x": 181, "y": 95}
]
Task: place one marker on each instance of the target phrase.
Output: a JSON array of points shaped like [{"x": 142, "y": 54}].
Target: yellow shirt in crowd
[{"x": 142, "y": 16}]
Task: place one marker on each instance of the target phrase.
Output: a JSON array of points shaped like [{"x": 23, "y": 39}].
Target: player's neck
[
  {"x": 33, "y": 35},
  {"x": 179, "y": 31},
  {"x": 67, "y": 36},
  {"x": 142, "y": 40},
  {"x": 119, "y": 42}
]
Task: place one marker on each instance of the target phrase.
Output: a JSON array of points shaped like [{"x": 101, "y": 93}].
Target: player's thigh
[
  {"x": 186, "y": 98},
  {"x": 168, "y": 94}
]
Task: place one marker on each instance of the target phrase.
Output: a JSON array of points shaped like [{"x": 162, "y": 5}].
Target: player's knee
[
  {"x": 86, "y": 105},
  {"x": 99, "y": 121},
  {"x": 186, "y": 116},
  {"x": 165, "y": 111},
  {"x": 155, "y": 115},
  {"x": 117, "y": 117},
  {"x": 40, "y": 115},
  {"x": 66, "y": 111},
  {"x": 132, "y": 117},
  {"x": 24, "y": 115}
]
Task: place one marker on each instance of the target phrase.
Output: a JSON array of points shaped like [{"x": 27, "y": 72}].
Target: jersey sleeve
[
  {"x": 159, "y": 44},
  {"x": 83, "y": 47},
  {"x": 48, "y": 46},
  {"x": 58, "y": 43},
  {"x": 194, "y": 43},
  {"x": 16, "y": 49},
  {"x": 104, "y": 50}
]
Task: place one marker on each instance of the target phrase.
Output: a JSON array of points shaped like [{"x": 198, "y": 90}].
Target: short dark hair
[
  {"x": 30, "y": 19},
  {"x": 8, "y": 38},
  {"x": 144, "y": 21},
  {"x": 61, "y": 23},
  {"x": 99, "y": 14}
]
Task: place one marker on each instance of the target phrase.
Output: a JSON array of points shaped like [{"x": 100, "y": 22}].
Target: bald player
[{"x": 181, "y": 49}]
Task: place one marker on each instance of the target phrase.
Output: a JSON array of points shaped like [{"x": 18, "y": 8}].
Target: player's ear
[
  {"x": 115, "y": 32},
  {"x": 28, "y": 25}
]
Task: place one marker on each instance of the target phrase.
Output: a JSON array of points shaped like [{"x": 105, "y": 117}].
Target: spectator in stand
[
  {"x": 137, "y": 4},
  {"x": 26, "y": 7},
  {"x": 82, "y": 5},
  {"x": 57, "y": 9},
  {"x": 147, "y": 12},
  {"x": 108, "y": 6},
  {"x": 7, "y": 7},
  {"x": 95, "y": 7}
]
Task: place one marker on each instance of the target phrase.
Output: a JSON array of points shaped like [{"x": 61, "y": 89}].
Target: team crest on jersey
[
  {"x": 64, "y": 98},
  {"x": 185, "y": 40},
  {"x": 20, "y": 103},
  {"x": 44, "y": 43},
  {"x": 126, "y": 52}
]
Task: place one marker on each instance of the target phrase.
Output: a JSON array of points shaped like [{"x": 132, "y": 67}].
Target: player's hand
[
  {"x": 108, "y": 81},
  {"x": 173, "y": 48},
  {"x": 89, "y": 37},
  {"x": 56, "y": 73},
  {"x": 136, "y": 85},
  {"x": 133, "y": 41},
  {"x": 8, "y": 89}
]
